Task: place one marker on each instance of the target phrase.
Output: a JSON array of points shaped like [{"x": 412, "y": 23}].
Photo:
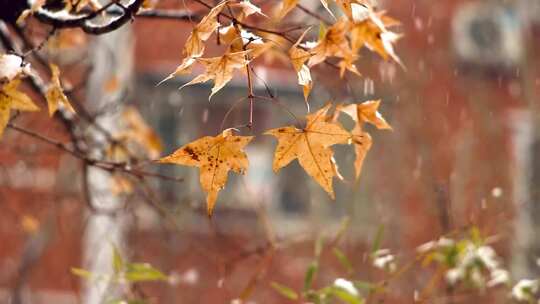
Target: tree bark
[{"x": 112, "y": 57}]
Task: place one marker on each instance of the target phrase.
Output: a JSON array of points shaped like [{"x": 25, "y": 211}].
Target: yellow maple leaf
[
  {"x": 333, "y": 43},
  {"x": 55, "y": 94},
  {"x": 370, "y": 29},
  {"x": 347, "y": 64},
  {"x": 298, "y": 59},
  {"x": 11, "y": 98},
  {"x": 284, "y": 8},
  {"x": 194, "y": 46},
  {"x": 362, "y": 144},
  {"x": 201, "y": 32},
  {"x": 240, "y": 39},
  {"x": 311, "y": 146},
  {"x": 220, "y": 69},
  {"x": 215, "y": 157},
  {"x": 247, "y": 9},
  {"x": 366, "y": 112}
]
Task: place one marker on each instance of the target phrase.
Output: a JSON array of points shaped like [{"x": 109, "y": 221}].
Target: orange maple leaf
[
  {"x": 11, "y": 98},
  {"x": 366, "y": 112},
  {"x": 220, "y": 69},
  {"x": 311, "y": 146},
  {"x": 298, "y": 59},
  {"x": 55, "y": 94},
  {"x": 215, "y": 157}
]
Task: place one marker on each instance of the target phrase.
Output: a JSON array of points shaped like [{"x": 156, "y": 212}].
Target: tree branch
[{"x": 101, "y": 164}]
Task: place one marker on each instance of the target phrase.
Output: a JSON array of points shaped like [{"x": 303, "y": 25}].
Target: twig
[{"x": 105, "y": 165}]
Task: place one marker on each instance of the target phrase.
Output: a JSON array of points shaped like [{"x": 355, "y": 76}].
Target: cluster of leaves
[
  {"x": 338, "y": 44},
  {"x": 124, "y": 272},
  {"x": 13, "y": 69},
  {"x": 471, "y": 263},
  {"x": 360, "y": 26},
  {"x": 468, "y": 264},
  {"x": 346, "y": 289},
  {"x": 310, "y": 145}
]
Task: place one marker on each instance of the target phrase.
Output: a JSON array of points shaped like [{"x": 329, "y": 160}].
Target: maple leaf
[
  {"x": 362, "y": 144},
  {"x": 333, "y": 43},
  {"x": 11, "y": 98},
  {"x": 298, "y": 59},
  {"x": 365, "y": 112},
  {"x": 194, "y": 47},
  {"x": 220, "y": 69},
  {"x": 247, "y": 9},
  {"x": 311, "y": 146},
  {"x": 347, "y": 64},
  {"x": 55, "y": 94},
  {"x": 215, "y": 157},
  {"x": 284, "y": 8},
  {"x": 240, "y": 40},
  {"x": 370, "y": 29}
]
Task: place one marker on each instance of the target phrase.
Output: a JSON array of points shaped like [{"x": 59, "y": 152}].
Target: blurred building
[{"x": 463, "y": 152}]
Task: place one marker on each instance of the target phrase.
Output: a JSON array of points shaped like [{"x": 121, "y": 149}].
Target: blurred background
[{"x": 464, "y": 152}]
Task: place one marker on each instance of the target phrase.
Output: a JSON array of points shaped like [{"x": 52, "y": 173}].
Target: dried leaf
[
  {"x": 184, "y": 68},
  {"x": 194, "y": 47},
  {"x": 220, "y": 69},
  {"x": 195, "y": 44},
  {"x": 310, "y": 146},
  {"x": 298, "y": 59},
  {"x": 215, "y": 156},
  {"x": 11, "y": 98},
  {"x": 365, "y": 112},
  {"x": 243, "y": 40},
  {"x": 333, "y": 43},
  {"x": 370, "y": 29},
  {"x": 55, "y": 94},
  {"x": 362, "y": 144},
  {"x": 247, "y": 9},
  {"x": 347, "y": 64}
]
